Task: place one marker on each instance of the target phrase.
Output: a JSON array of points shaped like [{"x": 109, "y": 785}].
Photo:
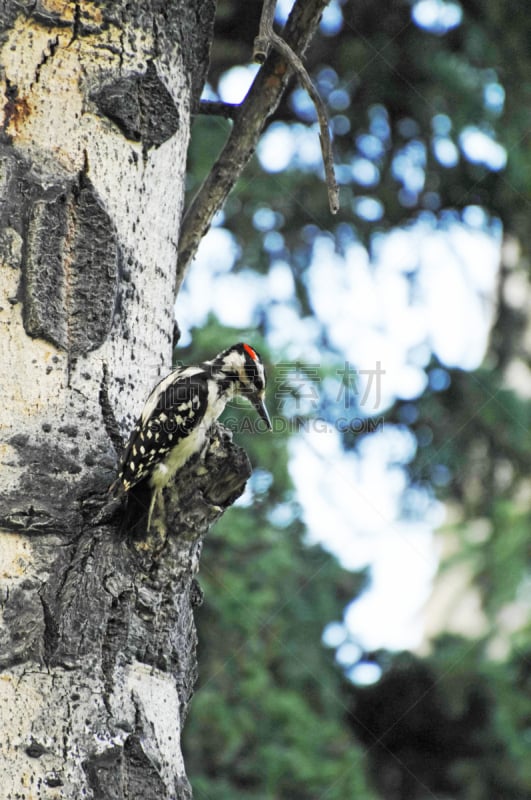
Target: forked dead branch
[
  {"x": 267, "y": 38},
  {"x": 250, "y": 117}
]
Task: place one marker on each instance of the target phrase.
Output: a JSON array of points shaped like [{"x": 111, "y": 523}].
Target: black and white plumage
[{"x": 180, "y": 411}]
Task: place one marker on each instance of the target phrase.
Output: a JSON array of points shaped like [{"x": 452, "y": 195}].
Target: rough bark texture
[{"x": 97, "y": 642}]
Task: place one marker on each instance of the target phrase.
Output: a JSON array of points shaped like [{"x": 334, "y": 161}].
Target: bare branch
[
  {"x": 266, "y": 37},
  {"x": 218, "y": 109},
  {"x": 261, "y": 101},
  {"x": 326, "y": 143},
  {"x": 262, "y": 41}
]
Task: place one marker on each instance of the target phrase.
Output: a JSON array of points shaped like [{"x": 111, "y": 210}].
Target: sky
[{"x": 352, "y": 502}]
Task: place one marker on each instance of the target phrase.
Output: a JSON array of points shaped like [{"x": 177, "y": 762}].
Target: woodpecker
[{"x": 180, "y": 411}]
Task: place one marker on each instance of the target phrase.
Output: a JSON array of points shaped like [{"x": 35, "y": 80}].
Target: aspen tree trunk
[{"x": 97, "y": 640}]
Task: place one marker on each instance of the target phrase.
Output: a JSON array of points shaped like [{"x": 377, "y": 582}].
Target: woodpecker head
[{"x": 242, "y": 365}]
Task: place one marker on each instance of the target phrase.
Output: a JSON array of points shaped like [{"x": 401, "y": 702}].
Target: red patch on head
[{"x": 250, "y": 352}]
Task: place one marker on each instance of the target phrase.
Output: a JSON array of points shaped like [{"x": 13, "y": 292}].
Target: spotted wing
[{"x": 172, "y": 412}]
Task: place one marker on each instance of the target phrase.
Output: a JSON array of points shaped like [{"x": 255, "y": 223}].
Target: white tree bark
[{"x": 97, "y": 643}]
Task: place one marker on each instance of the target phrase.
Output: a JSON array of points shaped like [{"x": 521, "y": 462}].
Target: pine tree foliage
[{"x": 407, "y": 95}]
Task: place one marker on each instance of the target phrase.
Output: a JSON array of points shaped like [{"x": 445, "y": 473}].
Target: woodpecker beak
[{"x": 258, "y": 402}]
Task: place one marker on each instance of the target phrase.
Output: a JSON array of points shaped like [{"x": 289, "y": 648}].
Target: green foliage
[
  {"x": 505, "y": 560},
  {"x": 478, "y": 433},
  {"x": 452, "y": 725},
  {"x": 457, "y": 722},
  {"x": 269, "y": 718},
  {"x": 384, "y": 77}
]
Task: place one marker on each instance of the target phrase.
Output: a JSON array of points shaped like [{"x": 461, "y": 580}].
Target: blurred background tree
[{"x": 430, "y": 109}]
